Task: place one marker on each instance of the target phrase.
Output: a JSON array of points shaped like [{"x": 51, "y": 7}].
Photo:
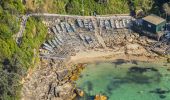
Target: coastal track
[{"x": 19, "y": 35}]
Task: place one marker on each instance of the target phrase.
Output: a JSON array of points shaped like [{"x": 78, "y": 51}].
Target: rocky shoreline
[
  {"x": 53, "y": 84},
  {"x": 54, "y": 79}
]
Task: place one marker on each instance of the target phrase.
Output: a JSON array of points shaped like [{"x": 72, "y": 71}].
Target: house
[{"x": 153, "y": 23}]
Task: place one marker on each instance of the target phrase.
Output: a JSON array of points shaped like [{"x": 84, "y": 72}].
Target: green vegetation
[
  {"x": 34, "y": 36},
  {"x": 15, "y": 60},
  {"x": 91, "y": 6}
]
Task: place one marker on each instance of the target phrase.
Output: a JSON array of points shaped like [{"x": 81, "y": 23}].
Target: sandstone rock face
[{"x": 48, "y": 83}]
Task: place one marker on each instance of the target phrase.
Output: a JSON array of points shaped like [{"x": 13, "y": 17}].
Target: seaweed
[
  {"x": 119, "y": 62},
  {"x": 138, "y": 75},
  {"x": 89, "y": 86},
  {"x": 162, "y": 96},
  {"x": 141, "y": 70}
]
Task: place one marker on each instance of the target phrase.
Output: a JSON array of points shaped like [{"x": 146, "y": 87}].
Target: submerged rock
[
  {"x": 162, "y": 96},
  {"x": 79, "y": 92},
  {"x": 168, "y": 69},
  {"x": 144, "y": 75},
  {"x": 100, "y": 97},
  {"x": 141, "y": 70},
  {"x": 137, "y": 69},
  {"x": 89, "y": 86},
  {"x": 119, "y": 61},
  {"x": 160, "y": 91}
]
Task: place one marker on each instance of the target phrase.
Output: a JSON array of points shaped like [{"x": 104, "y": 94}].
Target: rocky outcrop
[{"x": 48, "y": 83}]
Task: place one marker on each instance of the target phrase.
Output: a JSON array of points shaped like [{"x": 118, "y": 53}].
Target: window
[{"x": 149, "y": 25}]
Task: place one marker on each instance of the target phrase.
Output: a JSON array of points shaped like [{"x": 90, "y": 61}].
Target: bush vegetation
[
  {"x": 91, "y": 6},
  {"x": 15, "y": 60}
]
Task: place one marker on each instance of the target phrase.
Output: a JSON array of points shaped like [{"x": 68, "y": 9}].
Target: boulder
[
  {"x": 79, "y": 92},
  {"x": 61, "y": 75},
  {"x": 100, "y": 97}
]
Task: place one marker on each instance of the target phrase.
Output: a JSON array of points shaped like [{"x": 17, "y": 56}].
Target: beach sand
[{"x": 91, "y": 56}]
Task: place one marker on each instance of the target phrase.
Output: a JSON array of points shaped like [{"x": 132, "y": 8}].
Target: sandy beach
[{"x": 91, "y": 56}]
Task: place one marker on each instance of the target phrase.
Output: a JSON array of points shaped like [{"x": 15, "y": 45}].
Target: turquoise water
[{"x": 126, "y": 81}]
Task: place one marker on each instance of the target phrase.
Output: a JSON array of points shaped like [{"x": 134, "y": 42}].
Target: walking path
[{"x": 25, "y": 18}]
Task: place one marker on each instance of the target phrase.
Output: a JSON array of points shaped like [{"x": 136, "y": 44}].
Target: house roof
[{"x": 154, "y": 19}]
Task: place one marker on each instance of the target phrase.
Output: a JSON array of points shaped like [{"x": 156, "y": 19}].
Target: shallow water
[{"x": 126, "y": 81}]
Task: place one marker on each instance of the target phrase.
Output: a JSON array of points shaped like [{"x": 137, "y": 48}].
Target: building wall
[
  {"x": 153, "y": 28},
  {"x": 149, "y": 27},
  {"x": 160, "y": 26}
]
